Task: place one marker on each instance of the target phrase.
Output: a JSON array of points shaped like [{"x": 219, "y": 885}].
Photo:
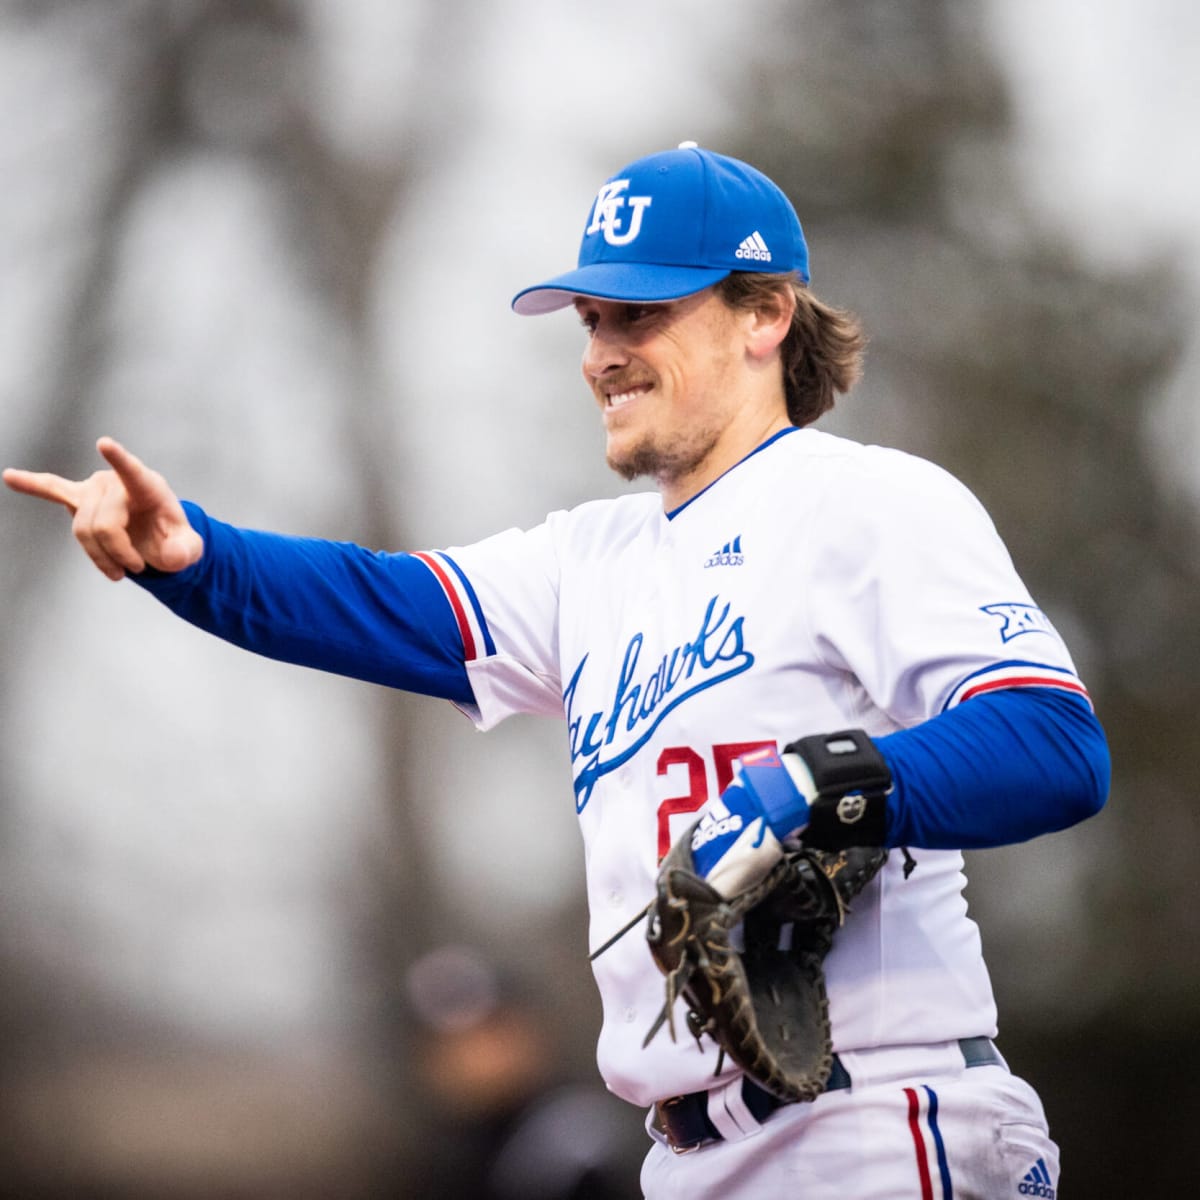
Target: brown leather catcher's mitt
[{"x": 763, "y": 1002}]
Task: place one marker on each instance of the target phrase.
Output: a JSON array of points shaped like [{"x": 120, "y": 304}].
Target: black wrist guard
[{"x": 853, "y": 782}]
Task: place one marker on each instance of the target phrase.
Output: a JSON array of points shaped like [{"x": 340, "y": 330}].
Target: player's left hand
[{"x": 739, "y": 836}]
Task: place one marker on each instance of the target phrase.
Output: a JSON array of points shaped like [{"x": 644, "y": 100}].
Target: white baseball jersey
[{"x": 818, "y": 585}]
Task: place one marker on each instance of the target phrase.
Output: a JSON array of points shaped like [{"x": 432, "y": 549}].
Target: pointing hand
[{"x": 126, "y": 518}]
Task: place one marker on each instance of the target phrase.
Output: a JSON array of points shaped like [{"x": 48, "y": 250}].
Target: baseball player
[{"x": 778, "y": 583}]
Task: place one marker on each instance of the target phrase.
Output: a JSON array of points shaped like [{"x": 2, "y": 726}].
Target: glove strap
[{"x": 853, "y": 782}]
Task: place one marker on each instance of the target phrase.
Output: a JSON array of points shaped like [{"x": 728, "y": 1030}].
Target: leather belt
[{"x": 685, "y": 1122}]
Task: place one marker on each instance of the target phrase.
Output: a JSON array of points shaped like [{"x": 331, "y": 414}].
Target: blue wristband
[{"x": 768, "y": 781}]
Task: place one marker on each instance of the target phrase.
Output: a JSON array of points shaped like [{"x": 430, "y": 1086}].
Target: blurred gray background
[{"x": 270, "y": 245}]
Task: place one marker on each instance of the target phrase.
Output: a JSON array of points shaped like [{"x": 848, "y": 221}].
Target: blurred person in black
[{"x": 510, "y": 1125}]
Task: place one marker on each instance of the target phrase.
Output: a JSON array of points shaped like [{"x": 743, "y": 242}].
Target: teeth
[{"x": 619, "y": 398}]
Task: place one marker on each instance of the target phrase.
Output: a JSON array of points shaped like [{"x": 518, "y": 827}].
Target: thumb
[{"x": 180, "y": 548}]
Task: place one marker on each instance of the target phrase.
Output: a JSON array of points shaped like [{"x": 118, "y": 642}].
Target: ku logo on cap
[{"x": 607, "y": 214}]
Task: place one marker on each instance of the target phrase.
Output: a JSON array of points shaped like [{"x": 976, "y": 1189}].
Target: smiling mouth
[{"x": 615, "y": 400}]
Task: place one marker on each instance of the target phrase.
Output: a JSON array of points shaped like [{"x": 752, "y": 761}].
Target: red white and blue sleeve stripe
[
  {"x": 1016, "y": 674},
  {"x": 464, "y": 604},
  {"x": 1026, "y": 756}
]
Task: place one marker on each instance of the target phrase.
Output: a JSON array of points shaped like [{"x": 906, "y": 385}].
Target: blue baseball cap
[{"x": 673, "y": 224}]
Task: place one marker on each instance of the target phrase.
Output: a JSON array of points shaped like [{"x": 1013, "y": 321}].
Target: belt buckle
[{"x": 665, "y": 1125}]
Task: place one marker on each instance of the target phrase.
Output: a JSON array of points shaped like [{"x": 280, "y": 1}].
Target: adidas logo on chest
[{"x": 729, "y": 555}]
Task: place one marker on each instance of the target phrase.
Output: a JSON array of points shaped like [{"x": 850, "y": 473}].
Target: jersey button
[
  {"x": 625, "y": 776},
  {"x": 630, "y": 1015}
]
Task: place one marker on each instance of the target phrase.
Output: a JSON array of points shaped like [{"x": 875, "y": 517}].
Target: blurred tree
[{"x": 137, "y": 91}]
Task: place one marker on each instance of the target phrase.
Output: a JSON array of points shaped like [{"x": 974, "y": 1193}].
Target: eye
[
  {"x": 639, "y": 312},
  {"x": 589, "y": 321}
]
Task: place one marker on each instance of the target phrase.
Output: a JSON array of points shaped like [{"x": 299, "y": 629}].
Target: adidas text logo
[
  {"x": 707, "y": 833},
  {"x": 729, "y": 555},
  {"x": 753, "y": 247},
  {"x": 1037, "y": 1182}
]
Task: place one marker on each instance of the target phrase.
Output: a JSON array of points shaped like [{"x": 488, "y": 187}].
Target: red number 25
[{"x": 724, "y": 757}]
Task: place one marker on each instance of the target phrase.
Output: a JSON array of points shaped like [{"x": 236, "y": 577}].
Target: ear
[{"x": 769, "y": 323}]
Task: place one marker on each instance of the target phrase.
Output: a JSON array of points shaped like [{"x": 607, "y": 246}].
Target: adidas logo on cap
[{"x": 753, "y": 247}]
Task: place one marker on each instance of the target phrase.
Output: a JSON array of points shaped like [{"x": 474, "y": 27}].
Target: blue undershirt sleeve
[
  {"x": 334, "y": 606},
  {"x": 1000, "y": 768}
]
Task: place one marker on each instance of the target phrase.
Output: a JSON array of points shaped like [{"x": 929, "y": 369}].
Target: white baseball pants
[{"x": 957, "y": 1134}]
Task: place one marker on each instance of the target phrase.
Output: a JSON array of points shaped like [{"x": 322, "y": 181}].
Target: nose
[{"x": 604, "y": 352}]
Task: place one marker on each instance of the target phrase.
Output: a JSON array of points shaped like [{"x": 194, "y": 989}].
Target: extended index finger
[
  {"x": 45, "y": 486},
  {"x": 140, "y": 482}
]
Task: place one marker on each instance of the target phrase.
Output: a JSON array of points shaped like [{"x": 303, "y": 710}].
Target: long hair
[{"x": 822, "y": 351}]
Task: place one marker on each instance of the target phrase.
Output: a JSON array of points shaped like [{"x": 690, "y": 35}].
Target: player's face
[{"x": 671, "y": 381}]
